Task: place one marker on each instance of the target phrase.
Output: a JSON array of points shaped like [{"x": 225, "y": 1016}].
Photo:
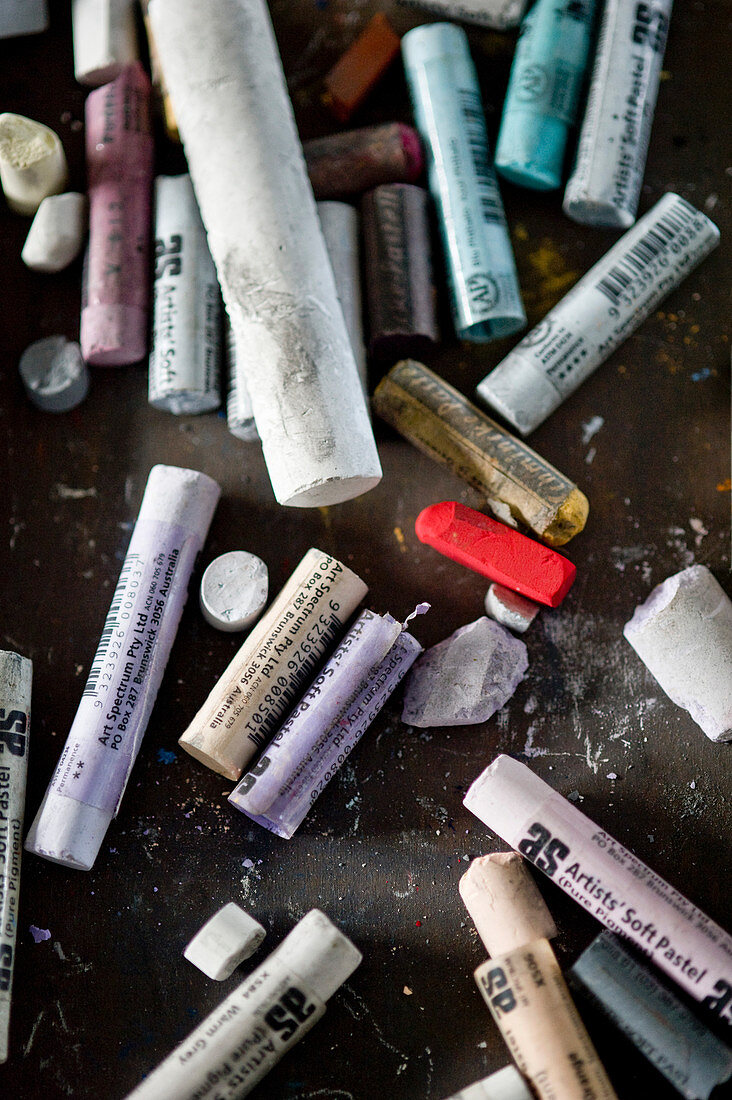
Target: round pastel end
[
  {"x": 54, "y": 374},
  {"x": 413, "y": 155},
  {"x": 234, "y": 591}
]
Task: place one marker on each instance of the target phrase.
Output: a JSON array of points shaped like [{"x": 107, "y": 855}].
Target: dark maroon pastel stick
[{"x": 357, "y": 160}]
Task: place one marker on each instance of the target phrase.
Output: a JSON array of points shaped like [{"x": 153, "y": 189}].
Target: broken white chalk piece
[
  {"x": 341, "y": 231},
  {"x": 235, "y": 116},
  {"x": 16, "y": 675},
  {"x": 54, "y": 374},
  {"x": 32, "y": 163},
  {"x": 506, "y": 1084},
  {"x": 57, "y": 232},
  {"x": 504, "y": 902},
  {"x": 105, "y": 39},
  {"x": 267, "y": 1014},
  {"x": 22, "y": 17},
  {"x": 509, "y": 608},
  {"x": 86, "y": 790},
  {"x": 234, "y": 590},
  {"x": 185, "y": 352},
  {"x": 466, "y": 678},
  {"x": 683, "y": 634},
  {"x": 225, "y": 941}
]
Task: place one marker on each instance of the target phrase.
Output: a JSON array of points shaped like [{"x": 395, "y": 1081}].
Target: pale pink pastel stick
[{"x": 119, "y": 155}]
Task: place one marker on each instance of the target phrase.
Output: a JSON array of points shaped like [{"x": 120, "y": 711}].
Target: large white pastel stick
[
  {"x": 105, "y": 39},
  {"x": 340, "y": 224},
  {"x": 504, "y": 902},
  {"x": 277, "y": 660},
  {"x": 310, "y": 769},
  {"x": 225, "y": 79},
  {"x": 57, "y": 232},
  {"x": 227, "y": 938},
  {"x": 506, "y": 1084},
  {"x": 185, "y": 353},
  {"x": 240, "y": 1041},
  {"x": 90, "y": 779},
  {"x": 22, "y": 17},
  {"x": 16, "y": 674},
  {"x": 683, "y": 634},
  {"x": 32, "y": 163},
  {"x": 607, "y": 880}
]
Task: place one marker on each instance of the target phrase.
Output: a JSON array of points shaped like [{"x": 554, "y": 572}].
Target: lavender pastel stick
[
  {"x": 119, "y": 156},
  {"x": 87, "y": 786},
  {"x": 315, "y": 768}
]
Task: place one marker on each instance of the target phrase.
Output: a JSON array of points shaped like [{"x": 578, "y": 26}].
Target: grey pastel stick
[
  {"x": 506, "y": 1084},
  {"x": 185, "y": 353},
  {"x": 86, "y": 789},
  {"x": 235, "y": 117},
  {"x": 599, "y": 313},
  {"x": 688, "y": 1055},
  {"x": 241, "y": 1040},
  {"x": 22, "y": 17},
  {"x": 54, "y": 374},
  {"x": 605, "y": 184},
  {"x": 16, "y": 674},
  {"x": 341, "y": 229}
]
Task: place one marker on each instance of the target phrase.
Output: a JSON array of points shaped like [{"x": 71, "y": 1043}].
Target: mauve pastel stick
[{"x": 119, "y": 154}]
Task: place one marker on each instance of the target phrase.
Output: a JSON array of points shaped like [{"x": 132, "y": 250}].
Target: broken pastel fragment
[
  {"x": 32, "y": 163},
  {"x": 509, "y": 609},
  {"x": 683, "y": 635},
  {"x": 506, "y": 1084},
  {"x": 361, "y": 67},
  {"x": 466, "y": 678},
  {"x": 496, "y": 551},
  {"x": 227, "y": 938},
  {"x": 54, "y": 374},
  {"x": 57, "y": 233}
]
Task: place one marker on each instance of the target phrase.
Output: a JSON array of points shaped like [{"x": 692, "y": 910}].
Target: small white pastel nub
[
  {"x": 234, "y": 590},
  {"x": 225, "y": 941},
  {"x": 32, "y": 163},
  {"x": 105, "y": 39},
  {"x": 506, "y": 1084},
  {"x": 509, "y": 609},
  {"x": 54, "y": 374},
  {"x": 57, "y": 232}
]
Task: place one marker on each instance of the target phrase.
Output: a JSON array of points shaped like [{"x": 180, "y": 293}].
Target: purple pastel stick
[
  {"x": 119, "y": 156},
  {"x": 311, "y": 770}
]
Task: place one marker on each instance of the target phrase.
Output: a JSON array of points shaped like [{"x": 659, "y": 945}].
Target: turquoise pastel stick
[
  {"x": 486, "y": 302},
  {"x": 543, "y": 94}
]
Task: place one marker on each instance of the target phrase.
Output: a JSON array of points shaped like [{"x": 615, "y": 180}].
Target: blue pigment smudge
[
  {"x": 701, "y": 375},
  {"x": 165, "y": 756}
]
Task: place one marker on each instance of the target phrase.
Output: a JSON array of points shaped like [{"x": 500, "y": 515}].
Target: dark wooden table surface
[{"x": 108, "y": 995}]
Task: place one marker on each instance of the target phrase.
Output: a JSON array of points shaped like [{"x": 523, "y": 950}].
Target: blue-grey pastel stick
[
  {"x": 486, "y": 302},
  {"x": 542, "y": 99},
  {"x": 693, "y": 1059}
]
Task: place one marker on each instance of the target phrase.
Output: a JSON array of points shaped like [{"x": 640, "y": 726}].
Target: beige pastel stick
[
  {"x": 275, "y": 664},
  {"x": 504, "y": 902}
]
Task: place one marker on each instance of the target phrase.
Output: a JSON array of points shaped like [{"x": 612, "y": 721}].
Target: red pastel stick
[{"x": 496, "y": 551}]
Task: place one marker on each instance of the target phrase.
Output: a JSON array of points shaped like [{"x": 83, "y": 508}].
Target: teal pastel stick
[
  {"x": 486, "y": 301},
  {"x": 544, "y": 88}
]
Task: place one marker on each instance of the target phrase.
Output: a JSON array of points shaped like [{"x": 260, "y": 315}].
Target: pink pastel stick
[
  {"x": 496, "y": 551},
  {"x": 119, "y": 156}
]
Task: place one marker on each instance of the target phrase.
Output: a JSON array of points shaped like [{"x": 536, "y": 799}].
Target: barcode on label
[
  {"x": 490, "y": 199},
  {"x": 110, "y": 625},
  {"x": 651, "y": 245}
]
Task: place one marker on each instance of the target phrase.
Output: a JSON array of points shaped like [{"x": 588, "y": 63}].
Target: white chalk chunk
[
  {"x": 341, "y": 230},
  {"x": 234, "y": 590},
  {"x": 185, "y": 355},
  {"x": 241, "y": 1040},
  {"x": 683, "y": 634},
  {"x": 499, "y": 15},
  {"x": 466, "y": 678},
  {"x": 22, "y": 17},
  {"x": 504, "y": 903},
  {"x": 16, "y": 674},
  {"x": 54, "y": 374},
  {"x": 509, "y": 608},
  {"x": 105, "y": 39},
  {"x": 57, "y": 232},
  {"x": 86, "y": 790},
  {"x": 239, "y": 412},
  {"x": 32, "y": 163},
  {"x": 235, "y": 118},
  {"x": 225, "y": 941},
  {"x": 506, "y": 1084}
]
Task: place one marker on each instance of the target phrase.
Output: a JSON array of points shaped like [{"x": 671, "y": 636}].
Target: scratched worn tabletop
[{"x": 108, "y": 995}]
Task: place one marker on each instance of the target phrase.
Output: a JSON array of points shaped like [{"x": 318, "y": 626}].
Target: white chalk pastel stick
[
  {"x": 32, "y": 163},
  {"x": 185, "y": 354},
  {"x": 504, "y": 903},
  {"x": 105, "y": 39},
  {"x": 340, "y": 224},
  {"x": 608, "y": 880},
  {"x": 235, "y": 118},
  {"x": 506, "y": 1084},
  {"x": 683, "y": 634},
  {"x": 16, "y": 674},
  {"x": 241, "y": 1040},
  {"x": 57, "y": 232},
  {"x": 499, "y": 15},
  {"x": 105, "y": 737},
  {"x": 22, "y": 17},
  {"x": 234, "y": 590},
  {"x": 228, "y": 938}
]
